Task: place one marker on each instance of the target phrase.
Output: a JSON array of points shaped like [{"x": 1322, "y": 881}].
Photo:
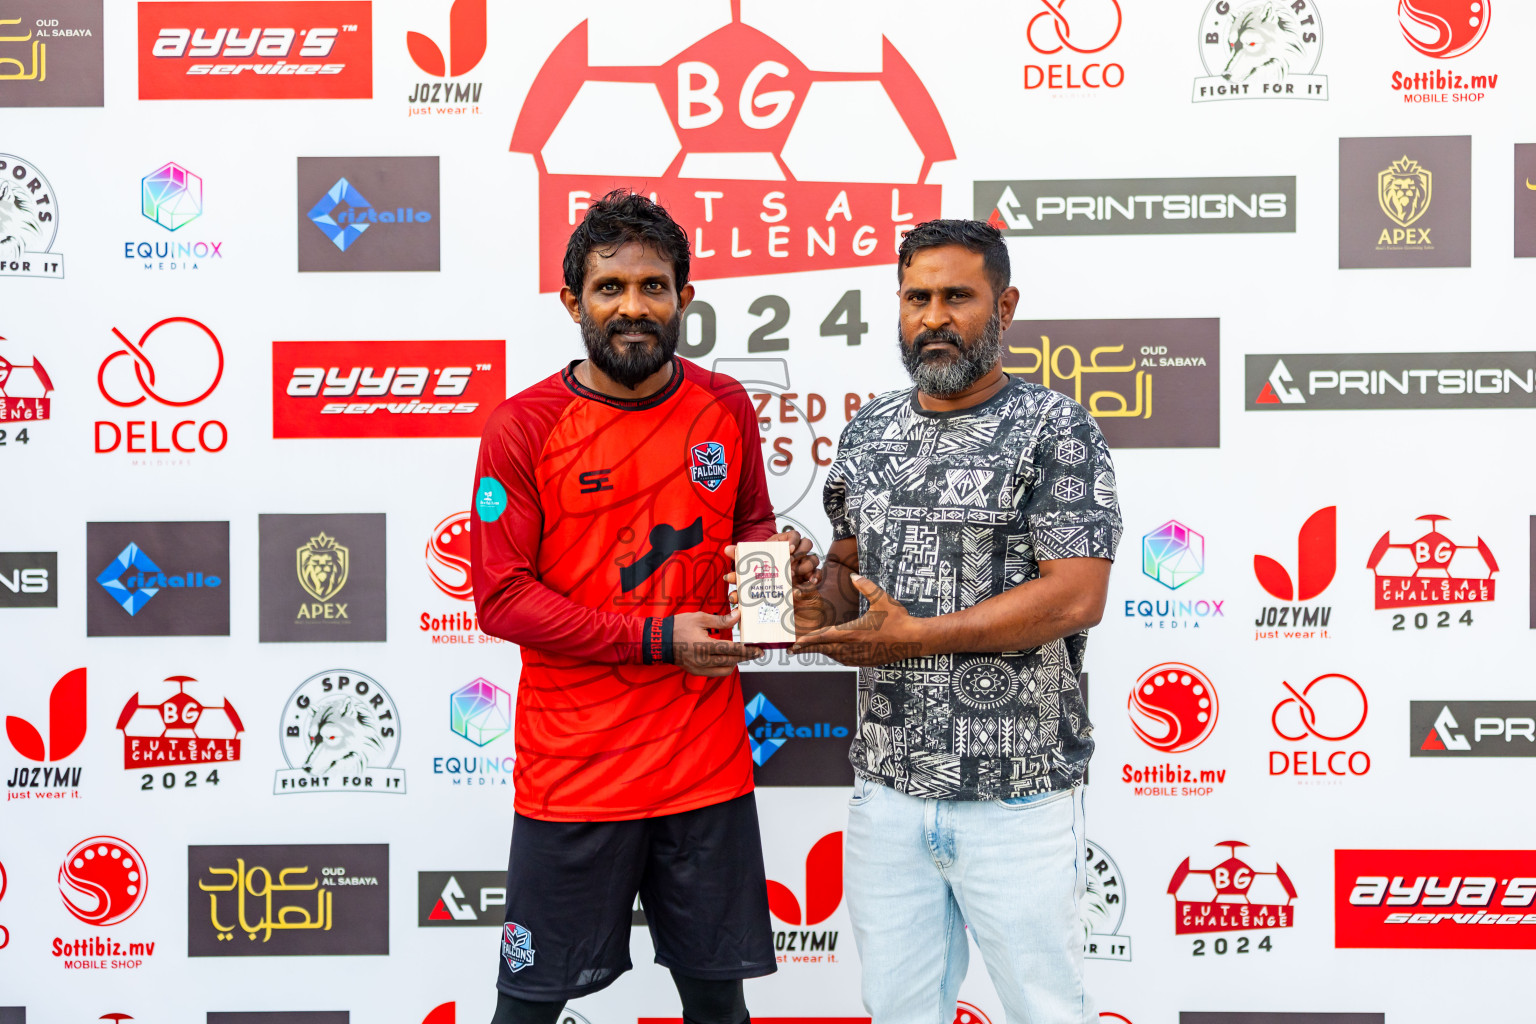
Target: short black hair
[
  {"x": 976, "y": 235},
  {"x": 620, "y": 217}
]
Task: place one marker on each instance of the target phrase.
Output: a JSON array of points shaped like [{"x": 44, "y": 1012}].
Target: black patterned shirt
[{"x": 949, "y": 509}]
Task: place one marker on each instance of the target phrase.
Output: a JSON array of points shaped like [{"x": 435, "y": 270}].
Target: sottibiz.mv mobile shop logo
[{"x": 772, "y": 166}]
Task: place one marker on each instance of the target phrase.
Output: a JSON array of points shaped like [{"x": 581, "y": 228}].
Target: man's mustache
[
  {"x": 623, "y": 326},
  {"x": 934, "y": 337}
]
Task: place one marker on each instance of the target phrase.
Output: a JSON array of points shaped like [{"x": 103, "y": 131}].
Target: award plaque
[{"x": 763, "y": 584}]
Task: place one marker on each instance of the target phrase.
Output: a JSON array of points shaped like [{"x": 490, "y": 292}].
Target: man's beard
[
  {"x": 947, "y": 376},
  {"x": 628, "y": 365}
]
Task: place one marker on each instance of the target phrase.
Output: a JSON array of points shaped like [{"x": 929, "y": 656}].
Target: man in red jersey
[{"x": 608, "y": 498}]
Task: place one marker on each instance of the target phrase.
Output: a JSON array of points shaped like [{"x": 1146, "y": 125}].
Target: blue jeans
[{"x": 919, "y": 871}]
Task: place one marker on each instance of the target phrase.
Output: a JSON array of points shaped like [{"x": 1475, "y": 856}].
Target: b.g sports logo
[{"x": 269, "y": 49}]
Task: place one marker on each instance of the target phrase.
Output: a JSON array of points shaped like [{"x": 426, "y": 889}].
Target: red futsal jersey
[{"x": 597, "y": 519}]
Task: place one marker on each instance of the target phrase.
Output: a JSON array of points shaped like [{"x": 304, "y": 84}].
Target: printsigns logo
[
  {"x": 1472, "y": 728},
  {"x": 1138, "y": 206},
  {"x": 66, "y": 731},
  {"x": 1390, "y": 380},
  {"x": 288, "y": 900},
  {"x": 1173, "y": 554},
  {"x": 1434, "y": 899},
  {"x": 29, "y": 221},
  {"x": 323, "y": 577},
  {"x": 1405, "y": 202},
  {"x": 341, "y": 228},
  {"x": 51, "y": 53},
  {"x": 1331, "y": 708},
  {"x": 1261, "y": 49},
  {"x": 466, "y": 45},
  {"x": 1432, "y": 570},
  {"x": 385, "y": 388},
  {"x": 178, "y": 730},
  {"x": 1103, "y": 907},
  {"x": 340, "y": 734},
  {"x": 27, "y": 579},
  {"x": 731, "y": 139},
  {"x": 222, "y": 50},
  {"x": 1084, "y": 28},
  {"x": 1230, "y": 897},
  {"x": 452, "y": 899},
  {"x": 1113, "y": 368},
  {"x": 103, "y": 881},
  {"x": 158, "y": 579}
]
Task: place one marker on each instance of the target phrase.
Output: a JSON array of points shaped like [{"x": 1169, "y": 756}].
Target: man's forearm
[{"x": 839, "y": 596}]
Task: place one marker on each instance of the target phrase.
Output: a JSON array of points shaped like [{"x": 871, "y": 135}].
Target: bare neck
[{"x": 590, "y": 376}]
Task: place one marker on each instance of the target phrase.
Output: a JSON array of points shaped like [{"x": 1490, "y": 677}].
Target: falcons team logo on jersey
[{"x": 709, "y": 465}]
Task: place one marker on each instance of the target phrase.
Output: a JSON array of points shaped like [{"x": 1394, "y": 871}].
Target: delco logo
[
  {"x": 732, "y": 136},
  {"x": 1434, "y": 899},
  {"x": 311, "y": 49},
  {"x": 385, "y": 388}
]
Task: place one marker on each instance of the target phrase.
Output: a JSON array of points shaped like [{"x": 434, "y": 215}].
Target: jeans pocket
[
  {"x": 1034, "y": 800},
  {"x": 863, "y": 792}
]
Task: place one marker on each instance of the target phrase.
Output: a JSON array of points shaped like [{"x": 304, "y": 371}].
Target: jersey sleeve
[
  {"x": 504, "y": 546},
  {"x": 1072, "y": 508}
]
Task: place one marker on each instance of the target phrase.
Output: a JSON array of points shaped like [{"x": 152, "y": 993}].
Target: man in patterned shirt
[{"x": 975, "y": 520}]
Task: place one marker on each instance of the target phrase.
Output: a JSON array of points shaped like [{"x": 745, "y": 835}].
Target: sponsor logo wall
[{"x": 268, "y": 266}]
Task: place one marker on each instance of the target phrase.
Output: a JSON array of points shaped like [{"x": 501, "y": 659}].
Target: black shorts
[{"x": 571, "y": 889}]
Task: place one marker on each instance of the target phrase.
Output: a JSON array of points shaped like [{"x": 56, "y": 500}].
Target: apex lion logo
[
  {"x": 21, "y": 225},
  {"x": 1405, "y": 189},
  {"x": 322, "y": 567},
  {"x": 1265, "y": 41},
  {"x": 343, "y": 733}
]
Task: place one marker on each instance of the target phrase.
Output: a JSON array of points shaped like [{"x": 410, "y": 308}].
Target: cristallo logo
[{"x": 771, "y": 167}]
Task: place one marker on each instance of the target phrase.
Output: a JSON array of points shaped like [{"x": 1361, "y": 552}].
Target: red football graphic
[{"x": 103, "y": 881}]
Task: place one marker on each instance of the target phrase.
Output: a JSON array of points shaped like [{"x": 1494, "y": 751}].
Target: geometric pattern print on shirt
[{"x": 950, "y": 510}]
